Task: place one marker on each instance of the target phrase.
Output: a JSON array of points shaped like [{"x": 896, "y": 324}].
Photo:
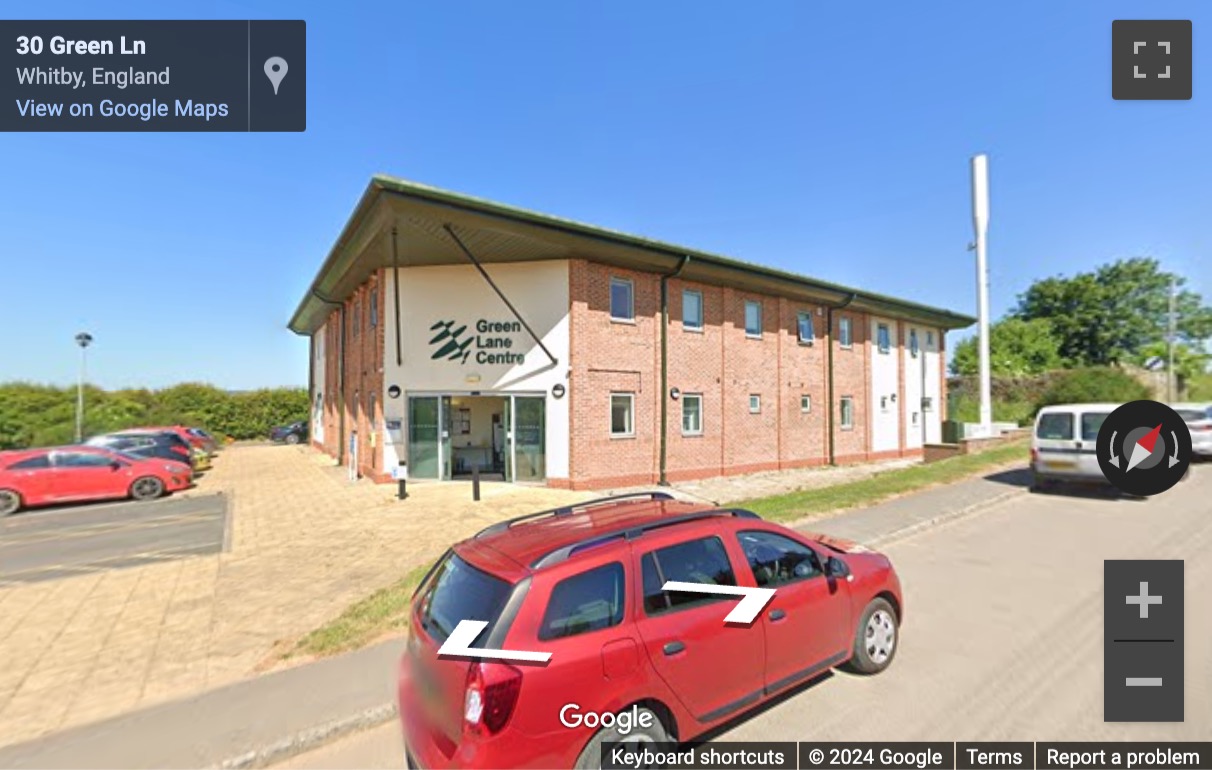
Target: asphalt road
[
  {"x": 1003, "y": 635},
  {"x": 45, "y": 544}
]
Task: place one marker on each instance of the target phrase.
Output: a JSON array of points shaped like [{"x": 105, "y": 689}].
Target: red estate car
[
  {"x": 66, "y": 474},
  {"x": 584, "y": 583}
]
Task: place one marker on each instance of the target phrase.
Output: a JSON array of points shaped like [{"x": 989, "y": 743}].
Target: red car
[
  {"x": 629, "y": 661},
  {"x": 66, "y": 474}
]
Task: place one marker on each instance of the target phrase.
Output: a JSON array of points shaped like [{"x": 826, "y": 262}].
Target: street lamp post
[{"x": 83, "y": 339}]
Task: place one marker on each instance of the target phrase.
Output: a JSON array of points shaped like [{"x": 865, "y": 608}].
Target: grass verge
[
  {"x": 386, "y": 610},
  {"x": 363, "y": 622},
  {"x": 814, "y": 502}
]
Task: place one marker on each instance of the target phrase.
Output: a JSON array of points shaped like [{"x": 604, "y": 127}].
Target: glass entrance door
[
  {"x": 424, "y": 420},
  {"x": 529, "y": 432}
]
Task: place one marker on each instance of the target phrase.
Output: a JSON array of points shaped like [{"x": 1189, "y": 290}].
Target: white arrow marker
[
  {"x": 460, "y": 639},
  {"x": 751, "y": 603},
  {"x": 1114, "y": 457},
  {"x": 1174, "y": 457}
]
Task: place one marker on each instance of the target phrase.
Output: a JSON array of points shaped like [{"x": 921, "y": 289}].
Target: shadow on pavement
[{"x": 1015, "y": 477}]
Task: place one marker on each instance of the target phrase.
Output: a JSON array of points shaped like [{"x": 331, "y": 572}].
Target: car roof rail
[
  {"x": 630, "y": 533},
  {"x": 564, "y": 510}
]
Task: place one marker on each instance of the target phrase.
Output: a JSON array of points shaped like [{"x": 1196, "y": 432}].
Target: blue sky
[{"x": 829, "y": 139}]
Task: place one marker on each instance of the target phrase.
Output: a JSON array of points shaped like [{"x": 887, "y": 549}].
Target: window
[
  {"x": 1057, "y": 425},
  {"x": 883, "y": 337},
  {"x": 914, "y": 418},
  {"x": 847, "y": 412},
  {"x": 930, "y": 340},
  {"x": 883, "y": 403},
  {"x": 927, "y": 404},
  {"x": 357, "y": 319},
  {"x": 692, "y": 310},
  {"x": 777, "y": 560},
  {"x": 753, "y": 318},
  {"x": 803, "y": 323},
  {"x": 374, "y": 308},
  {"x": 843, "y": 332},
  {"x": 79, "y": 460},
  {"x": 463, "y": 421},
  {"x": 692, "y": 414},
  {"x": 913, "y": 343},
  {"x": 805, "y": 403},
  {"x": 622, "y": 300},
  {"x": 622, "y": 409},
  {"x": 31, "y": 463},
  {"x": 586, "y": 602},
  {"x": 755, "y": 403},
  {"x": 697, "y": 561},
  {"x": 458, "y": 591},
  {"x": 1091, "y": 423}
]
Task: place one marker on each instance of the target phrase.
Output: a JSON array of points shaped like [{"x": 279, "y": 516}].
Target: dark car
[
  {"x": 294, "y": 433},
  {"x": 164, "y": 445}
]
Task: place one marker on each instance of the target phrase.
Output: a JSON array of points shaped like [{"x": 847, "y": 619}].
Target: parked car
[
  {"x": 148, "y": 443},
  {"x": 186, "y": 434},
  {"x": 1063, "y": 444},
  {"x": 584, "y": 583},
  {"x": 209, "y": 442},
  {"x": 1199, "y": 421},
  {"x": 34, "y": 477},
  {"x": 294, "y": 433}
]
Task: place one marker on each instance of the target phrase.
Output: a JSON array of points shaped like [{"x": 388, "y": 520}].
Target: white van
[{"x": 1063, "y": 444}]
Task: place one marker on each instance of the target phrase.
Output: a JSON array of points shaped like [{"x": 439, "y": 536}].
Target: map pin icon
[{"x": 275, "y": 70}]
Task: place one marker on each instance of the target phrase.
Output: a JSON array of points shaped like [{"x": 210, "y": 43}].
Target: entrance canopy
[{"x": 496, "y": 233}]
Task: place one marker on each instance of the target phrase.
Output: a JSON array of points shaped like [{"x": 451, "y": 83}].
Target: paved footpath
[
  {"x": 259, "y": 721},
  {"x": 303, "y": 544}
]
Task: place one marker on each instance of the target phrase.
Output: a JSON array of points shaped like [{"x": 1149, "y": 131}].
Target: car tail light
[
  {"x": 1034, "y": 455},
  {"x": 492, "y": 692}
]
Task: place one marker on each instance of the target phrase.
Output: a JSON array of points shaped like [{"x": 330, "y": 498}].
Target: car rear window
[
  {"x": 590, "y": 601},
  {"x": 1193, "y": 415},
  {"x": 1091, "y": 422},
  {"x": 1055, "y": 425},
  {"x": 697, "y": 561},
  {"x": 458, "y": 591}
]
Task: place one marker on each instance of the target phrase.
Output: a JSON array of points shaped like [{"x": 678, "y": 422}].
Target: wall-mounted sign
[
  {"x": 492, "y": 342},
  {"x": 557, "y": 390}
]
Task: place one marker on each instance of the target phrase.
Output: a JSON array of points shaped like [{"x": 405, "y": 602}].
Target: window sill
[
  {"x": 846, "y": 347},
  {"x": 614, "y": 436},
  {"x": 847, "y": 427},
  {"x": 692, "y": 435},
  {"x": 692, "y": 329},
  {"x": 805, "y": 343},
  {"x": 749, "y": 336}
]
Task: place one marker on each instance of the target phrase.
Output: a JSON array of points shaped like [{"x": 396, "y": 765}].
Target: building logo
[
  {"x": 448, "y": 343},
  {"x": 492, "y": 342}
]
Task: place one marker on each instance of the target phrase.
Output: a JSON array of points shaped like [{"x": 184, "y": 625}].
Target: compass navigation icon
[{"x": 1134, "y": 441}]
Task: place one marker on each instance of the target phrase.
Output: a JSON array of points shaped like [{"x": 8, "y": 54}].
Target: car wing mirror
[{"x": 836, "y": 568}]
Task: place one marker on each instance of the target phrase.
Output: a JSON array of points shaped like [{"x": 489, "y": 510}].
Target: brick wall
[{"x": 363, "y": 344}]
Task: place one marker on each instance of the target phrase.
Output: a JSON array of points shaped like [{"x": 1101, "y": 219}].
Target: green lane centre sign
[{"x": 492, "y": 342}]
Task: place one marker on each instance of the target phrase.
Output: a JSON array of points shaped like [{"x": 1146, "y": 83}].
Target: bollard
[
  {"x": 475, "y": 483},
  {"x": 401, "y": 483}
]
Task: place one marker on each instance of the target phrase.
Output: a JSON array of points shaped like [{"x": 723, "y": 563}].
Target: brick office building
[{"x": 450, "y": 333}]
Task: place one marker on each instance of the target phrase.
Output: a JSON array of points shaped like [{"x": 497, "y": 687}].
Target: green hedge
[
  {"x": 1017, "y": 399},
  {"x": 44, "y": 415}
]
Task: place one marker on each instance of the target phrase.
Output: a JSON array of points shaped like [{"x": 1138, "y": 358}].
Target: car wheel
[
  {"x": 591, "y": 755},
  {"x": 292, "y": 438},
  {"x": 10, "y": 502},
  {"x": 147, "y": 488},
  {"x": 877, "y": 638}
]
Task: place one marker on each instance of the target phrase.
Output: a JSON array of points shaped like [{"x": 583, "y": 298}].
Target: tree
[
  {"x": 1093, "y": 384},
  {"x": 1107, "y": 316},
  {"x": 1016, "y": 348},
  {"x": 1189, "y": 362}
]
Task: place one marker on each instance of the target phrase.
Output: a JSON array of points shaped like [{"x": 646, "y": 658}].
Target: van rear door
[
  {"x": 1056, "y": 443},
  {"x": 1088, "y": 426}
]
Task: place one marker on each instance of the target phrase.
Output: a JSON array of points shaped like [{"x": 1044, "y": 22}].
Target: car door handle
[
  {"x": 778, "y": 614},
  {"x": 673, "y": 648}
]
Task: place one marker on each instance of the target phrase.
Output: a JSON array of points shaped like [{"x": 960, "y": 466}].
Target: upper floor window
[
  {"x": 622, "y": 299},
  {"x": 753, "y": 318},
  {"x": 374, "y": 308},
  {"x": 883, "y": 338},
  {"x": 844, "y": 337},
  {"x": 929, "y": 340},
  {"x": 692, "y": 310},
  {"x": 804, "y": 330},
  {"x": 913, "y": 348}
]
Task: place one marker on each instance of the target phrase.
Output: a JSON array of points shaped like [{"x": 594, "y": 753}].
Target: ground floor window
[
  {"x": 622, "y": 414},
  {"x": 692, "y": 414},
  {"x": 755, "y": 403},
  {"x": 805, "y": 404},
  {"x": 847, "y": 412}
]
